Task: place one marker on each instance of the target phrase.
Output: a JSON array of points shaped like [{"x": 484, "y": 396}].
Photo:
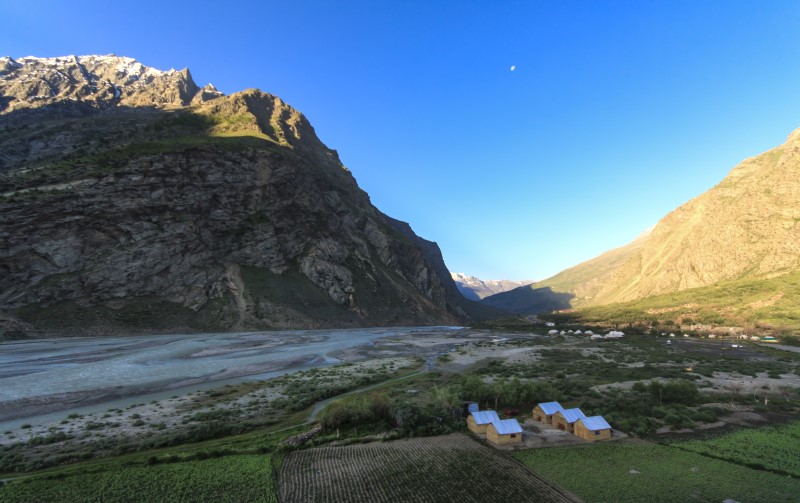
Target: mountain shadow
[{"x": 530, "y": 300}]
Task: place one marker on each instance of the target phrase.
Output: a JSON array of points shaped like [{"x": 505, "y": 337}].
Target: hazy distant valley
[{"x": 476, "y": 289}]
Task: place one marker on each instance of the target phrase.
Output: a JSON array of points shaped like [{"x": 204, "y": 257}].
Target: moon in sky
[{"x": 513, "y": 67}]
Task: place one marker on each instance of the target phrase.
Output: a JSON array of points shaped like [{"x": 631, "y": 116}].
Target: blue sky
[{"x": 617, "y": 112}]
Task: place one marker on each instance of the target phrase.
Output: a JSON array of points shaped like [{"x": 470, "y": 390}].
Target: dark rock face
[{"x": 227, "y": 214}]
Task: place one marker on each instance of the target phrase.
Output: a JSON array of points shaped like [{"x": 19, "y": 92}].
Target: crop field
[
  {"x": 434, "y": 469},
  {"x": 232, "y": 478},
  {"x": 656, "y": 474},
  {"x": 772, "y": 448}
]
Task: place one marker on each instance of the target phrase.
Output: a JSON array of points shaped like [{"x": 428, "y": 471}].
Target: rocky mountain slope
[
  {"x": 476, "y": 289},
  {"x": 133, "y": 200},
  {"x": 745, "y": 228}
]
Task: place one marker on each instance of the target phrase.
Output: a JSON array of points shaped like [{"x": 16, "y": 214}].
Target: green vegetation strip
[
  {"x": 234, "y": 478},
  {"x": 768, "y": 303},
  {"x": 617, "y": 473},
  {"x": 771, "y": 448}
]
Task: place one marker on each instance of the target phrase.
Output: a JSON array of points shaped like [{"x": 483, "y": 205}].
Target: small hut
[
  {"x": 565, "y": 419},
  {"x": 543, "y": 412},
  {"x": 504, "y": 432},
  {"x": 769, "y": 338},
  {"x": 592, "y": 428},
  {"x": 479, "y": 420}
]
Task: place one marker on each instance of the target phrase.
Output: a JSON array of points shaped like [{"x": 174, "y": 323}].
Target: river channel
[{"x": 43, "y": 378}]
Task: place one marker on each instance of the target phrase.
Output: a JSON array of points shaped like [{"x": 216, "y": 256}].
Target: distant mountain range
[
  {"x": 133, "y": 200},
  {"x": 744, "y": 231},
  {"x": 476, "y": 289}
]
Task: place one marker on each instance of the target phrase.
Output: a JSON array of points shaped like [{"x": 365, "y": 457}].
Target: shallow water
[{"x": 115, "y": 370}]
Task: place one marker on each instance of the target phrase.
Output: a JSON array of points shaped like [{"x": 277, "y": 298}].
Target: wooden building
[
  {"x": 592, "y": 428},
  {"x": 479, "y": 420},
  {"x": 504, "y": 432},
  {"x": 543, "y": 412},
  {"x": 565, "y": 419},
  {"x": 468, "y": 408}
]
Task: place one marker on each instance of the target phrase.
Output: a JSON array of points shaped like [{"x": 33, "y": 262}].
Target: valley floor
[{"x": 411, "y": 384}]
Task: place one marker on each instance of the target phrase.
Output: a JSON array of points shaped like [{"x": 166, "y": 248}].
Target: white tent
[{"x": 552, "y": 332}]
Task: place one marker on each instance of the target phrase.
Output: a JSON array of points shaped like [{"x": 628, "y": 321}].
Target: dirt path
[{"x": 321, "y": 405}]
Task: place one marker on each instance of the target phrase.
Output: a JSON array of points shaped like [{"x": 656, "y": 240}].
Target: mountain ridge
[{"x": 742, "y": 231}]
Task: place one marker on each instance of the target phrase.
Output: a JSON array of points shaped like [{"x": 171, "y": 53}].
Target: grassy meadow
[
  {"x": 751, "y": 303},
  {"x": 628, "y": 473},
  {"x": 239, "y": 478}
]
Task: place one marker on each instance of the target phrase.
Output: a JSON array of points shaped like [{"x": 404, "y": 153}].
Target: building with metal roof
[
  {"x": 592, "y": 428},
  {"x": 479, "y": 420},
  {"x": 504, "y": 432},
  {"x": 565, "y": 419},
  {"x": 543, "y": 412},
  {"x": 472, "y": 407}
]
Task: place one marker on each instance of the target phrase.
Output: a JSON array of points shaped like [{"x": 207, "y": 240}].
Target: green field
[
  {"x": 770, "y": 448},
  {"x": 233, "y": 478},
  {"x": 617, "y": 473}
]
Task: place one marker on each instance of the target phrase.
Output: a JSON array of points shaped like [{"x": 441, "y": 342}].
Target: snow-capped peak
[{"x": 100, "y": 80}]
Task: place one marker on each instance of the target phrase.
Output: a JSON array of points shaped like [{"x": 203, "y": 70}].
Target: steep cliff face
[{"x": 198, "y": 212}]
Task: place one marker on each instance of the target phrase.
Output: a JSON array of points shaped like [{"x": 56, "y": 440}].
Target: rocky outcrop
[{"x": 218, "y": 215}]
